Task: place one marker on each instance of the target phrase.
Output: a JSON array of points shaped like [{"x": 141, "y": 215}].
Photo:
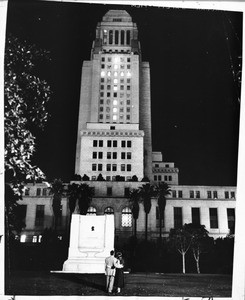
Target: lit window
[
  {"x": 114, "y": 102},
  {"x": 128, "y": 73},
  {"x": 126, "y": 217},
  {"x": 114, "y": 117},
  {"x": 91, "y": 211},
  {"x": 114, "y": 109},
  {"x": 115, "y": 74},
  {"x": 122, "y": 74},
  {"x": 115, "y": 88},
  {"x": 23, "y": 238},
  {"x": 108, "y": 211},
  {"x": 109, "y": 73},
  {"x": 39, "y": 238},
  {"x": 34, "y": 239},
  {"x": 115, "y": 67},
  {"x": 115, "y": 80},
  {"x": 116, "y": 59},
  {"x": 102, "y": 73}
]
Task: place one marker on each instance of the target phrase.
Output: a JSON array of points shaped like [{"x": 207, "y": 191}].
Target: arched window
[
  {"x": 91, "y": 211},
  {"x": 109, "y": 211},
  {"x": 126, "y": 217}
]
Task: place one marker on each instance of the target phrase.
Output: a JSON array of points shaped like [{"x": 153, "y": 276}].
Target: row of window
[
  {"x": 115, "y": 87},
  {"x": 115, "y": 102},
  {"x": 114, "y": 109},
  {"x": 213, "y": 217},
  {"x": 112, "y": 167},
  {"x": 112, "y": 143},
  {"x": 115, "y": 74},
  {"x": 115, "y": 94},
  {"x": 115, "y": 80},
  {"x": 116, "y": 59},
  {"x": 197, "y": 195},
  {"x": 115, "y": 66},
  {"x": 111, "y": 155},
  {"x": 114, "y": 117},
  {"x": 165, "y": 177}
]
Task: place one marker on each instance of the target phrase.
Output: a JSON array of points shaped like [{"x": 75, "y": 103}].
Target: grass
[{"x": 136, "y": 284}]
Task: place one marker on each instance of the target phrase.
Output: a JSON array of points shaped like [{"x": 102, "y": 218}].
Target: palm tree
[
  {"x": 162, "y": 190},
  {"x": 147, "y": 191},
  {"x": 80, "y": 197},
  {"x": 85, "y": 195},
  {"x": 57, "y": 189},
  {"x": 134, "y": 197}
]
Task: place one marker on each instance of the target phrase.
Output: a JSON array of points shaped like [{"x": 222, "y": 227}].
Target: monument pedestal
[{"x": 91, "y": 240}]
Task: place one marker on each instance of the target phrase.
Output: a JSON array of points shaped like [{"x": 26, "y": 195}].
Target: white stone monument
[{"x": 91, "y": 240}]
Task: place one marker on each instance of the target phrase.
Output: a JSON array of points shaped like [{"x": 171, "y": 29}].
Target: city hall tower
[{"x": 114, "y": 125}]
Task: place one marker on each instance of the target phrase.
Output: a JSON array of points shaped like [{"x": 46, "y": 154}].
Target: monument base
[
  {"x": 91, "y": 240},
  {"x": 88, "y": 265}
]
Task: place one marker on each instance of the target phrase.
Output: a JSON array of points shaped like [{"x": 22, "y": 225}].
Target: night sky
[{"x": 194, "y": 98}]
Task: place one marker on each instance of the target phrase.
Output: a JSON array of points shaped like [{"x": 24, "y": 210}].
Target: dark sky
[{"x": 195, "y": 107}]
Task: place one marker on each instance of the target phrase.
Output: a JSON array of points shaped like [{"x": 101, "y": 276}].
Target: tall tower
[{"x": 114, "y": 127}]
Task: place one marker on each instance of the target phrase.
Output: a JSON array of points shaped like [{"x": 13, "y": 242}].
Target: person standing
[
  {"x": 110, "y": 271},
  {"x": 119, "y": 276}
]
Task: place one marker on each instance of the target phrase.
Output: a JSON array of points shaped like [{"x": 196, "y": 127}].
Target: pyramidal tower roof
[{"x": 117, "y": 16}]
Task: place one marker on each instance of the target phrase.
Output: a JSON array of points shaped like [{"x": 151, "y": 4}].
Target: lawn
[{"x": 136, "y": 284}]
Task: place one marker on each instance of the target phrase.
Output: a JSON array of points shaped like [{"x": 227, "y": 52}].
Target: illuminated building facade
[{"x": 114, "y": 139}]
